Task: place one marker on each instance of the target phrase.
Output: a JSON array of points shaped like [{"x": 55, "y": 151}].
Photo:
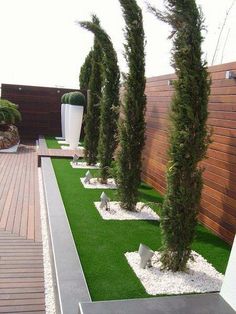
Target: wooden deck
[{"x": 21, "y": 253}]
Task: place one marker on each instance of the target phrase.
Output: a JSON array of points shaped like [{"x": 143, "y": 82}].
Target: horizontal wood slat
[{"x": 218, "y": 205}]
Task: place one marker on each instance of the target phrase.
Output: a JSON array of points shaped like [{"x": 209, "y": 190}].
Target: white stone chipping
[
  {"x": 201, "y": 277},
  {"x": 78, "y": 148},
  {"x": 48, "y": 278},
  {"x": 83, "y": 165},
  {"x": 115, "y": 212},
  {"x": 96, "y": 184}
]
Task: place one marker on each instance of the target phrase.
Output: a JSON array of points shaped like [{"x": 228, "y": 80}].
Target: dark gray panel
[
  {"x": 190, "y": 304},
  {"x": 72, "y": 286}
]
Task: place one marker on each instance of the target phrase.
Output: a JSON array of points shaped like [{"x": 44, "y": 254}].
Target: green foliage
[
  {"x": 85, "y": 72},
  {"x": 76, "y": 99},
  {"x": 63, "y": 99},
  {"x": 66, "y": 98},
  {"x": 9, "y": 113},
  {"x": 189, "y": 136},
  {"x": 132, "y": 127},
  {"x": 110, "y": 98},
  {"x": 92, "y": 118}
]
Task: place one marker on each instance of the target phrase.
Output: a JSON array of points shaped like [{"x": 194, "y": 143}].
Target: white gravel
[
  {"x": 78, "y": 148},
  {"x": 202, "y": 277},
  {"x": 96, "y": 184},
  {"x": 115, "y": 212},
  {"x": 48, "y": 278},
  {"x": 83, "y": 165}
]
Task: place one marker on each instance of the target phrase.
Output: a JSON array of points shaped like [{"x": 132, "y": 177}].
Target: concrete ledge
[
  {"x": 71, "y": 283},
  {"x": 211, "y": 303}
]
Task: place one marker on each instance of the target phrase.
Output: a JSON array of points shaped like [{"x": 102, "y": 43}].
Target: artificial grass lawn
[
  {"x": 102, "y": 243},
  {"x": 52, "y": 142}
]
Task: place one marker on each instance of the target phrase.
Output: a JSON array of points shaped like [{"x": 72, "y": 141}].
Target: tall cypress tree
[
  {"x": 109, "y": 101},
  {"x": 93, "y": 108},
  {"x": 132, "y": 127},
  {"x": 189, "y": 137},
  {"x": 85, "y": 71}
]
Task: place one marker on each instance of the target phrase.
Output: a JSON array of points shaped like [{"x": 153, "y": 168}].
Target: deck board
[{"x": 21, "y": 252}]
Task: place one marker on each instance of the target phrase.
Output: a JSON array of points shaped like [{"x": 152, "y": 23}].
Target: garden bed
[
  {"x": 52, "y": 142},
  {"x": 102, "y": 244}
]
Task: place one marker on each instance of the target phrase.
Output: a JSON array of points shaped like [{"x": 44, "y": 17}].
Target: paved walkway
[{"x": 21, "y": 253}]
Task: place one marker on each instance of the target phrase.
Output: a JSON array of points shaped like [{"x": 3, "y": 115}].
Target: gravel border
[
  {"x": 78, "y": 148},
  {"x": 50, "y": 303},
  {"x": 83, "y": 165},
  {"x": 95, "y": 184},
  {"x": 116, "y": 212},
  {"x": 201, "y": 277}
]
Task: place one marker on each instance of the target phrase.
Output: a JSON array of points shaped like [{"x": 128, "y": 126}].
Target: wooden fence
[
  {"x": 40, "y": 108},
  {"x": 218, "y": 205}
]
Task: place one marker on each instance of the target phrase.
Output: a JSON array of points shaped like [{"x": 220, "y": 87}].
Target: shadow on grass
[
  {"x": 151, "y": 198},
  {"x": 205, "y": 236}
]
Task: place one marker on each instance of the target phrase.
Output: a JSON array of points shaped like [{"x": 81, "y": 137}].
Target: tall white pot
[
  {"x": 63, "y": 108},
  {"x": 67, "y": 122},
  {"x": 75, "y": 124}
]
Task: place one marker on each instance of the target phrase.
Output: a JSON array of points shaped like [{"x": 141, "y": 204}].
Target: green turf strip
[
  {"x": 102, "y": 243},
  {"x": 52, "y": 142}
]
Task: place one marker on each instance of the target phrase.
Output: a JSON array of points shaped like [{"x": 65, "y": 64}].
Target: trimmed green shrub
[
  {"x": 85, "y": 72},
  {"x": 63, "y": 99},
  {"x": 66, "y": 98},
  {"x": 110, "y": 99},
  {"x": 9, "y": 113},
  {"x": 189, "y": 136},
  {"x": 132, "y": 127},
  {"x": 76, "y": 99},
  {"x": 92, "y": 117}
]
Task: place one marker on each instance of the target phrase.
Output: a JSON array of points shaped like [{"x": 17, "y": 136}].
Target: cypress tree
[
  {"x": 93, "y": 108},
  {"x": 109, "y": 101},
  {"x": 85, "y": 72},
  {"x": 132, "y": 126},
  {"x": 189, "y": 136}
]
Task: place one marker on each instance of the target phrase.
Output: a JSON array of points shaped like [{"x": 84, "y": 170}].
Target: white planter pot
[
  {"x": 67, "y": 107},
  {"x": 75, "y": 124},
  {"x": 63, "y": 108}
]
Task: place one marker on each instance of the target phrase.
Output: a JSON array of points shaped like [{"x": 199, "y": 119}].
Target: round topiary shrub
[
  {"x": 67, "y": 96},
  {"x": 63, "y": 98},
  {"x": 76, "y": 99}
]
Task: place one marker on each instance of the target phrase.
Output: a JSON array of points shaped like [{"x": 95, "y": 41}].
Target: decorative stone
[
  {"x": 88, "y": 177},
  {"x": 104, "y": 201},
  {"x": 9, "y": 137},
  {"x": 75, "y": 159},
  {"x": 145, "y": 254}
]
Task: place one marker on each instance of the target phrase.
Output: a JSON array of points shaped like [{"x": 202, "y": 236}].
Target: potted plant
[{"x": 75, "y": 117}]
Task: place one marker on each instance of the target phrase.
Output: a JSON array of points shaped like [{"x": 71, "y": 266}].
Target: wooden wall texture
[
  {"x": 218, "y": 205},
  {"x": 40, "y": 108}
]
